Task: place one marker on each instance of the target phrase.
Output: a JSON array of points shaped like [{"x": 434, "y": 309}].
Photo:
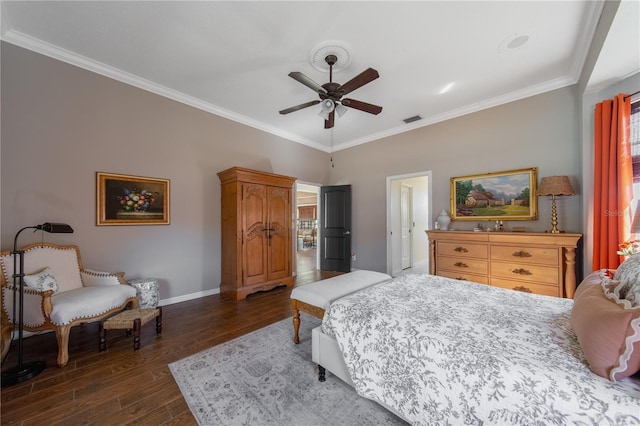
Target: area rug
[{"x": 263, "y": 378}]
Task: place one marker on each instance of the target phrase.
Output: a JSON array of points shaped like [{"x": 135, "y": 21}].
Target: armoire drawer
[
  {"x": 543, "y": 256},
  {"x": 525, "y": 272},
  {"x": 453, "y": 248},
  {"x": 463, "y": 265},
  {"x": 527, "y": 287}
]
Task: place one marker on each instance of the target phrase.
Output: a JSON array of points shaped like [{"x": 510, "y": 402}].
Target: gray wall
[
  {"x": 61, "y": 124},
  {"x": 540, "y": 131}
]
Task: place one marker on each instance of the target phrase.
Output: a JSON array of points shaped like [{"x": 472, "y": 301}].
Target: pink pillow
[{"x": 608, "y": 329}]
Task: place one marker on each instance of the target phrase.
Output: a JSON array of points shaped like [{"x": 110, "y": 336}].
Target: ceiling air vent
[{"x": 412, "y": 119}]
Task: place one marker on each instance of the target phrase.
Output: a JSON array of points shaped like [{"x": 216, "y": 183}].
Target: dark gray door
[{"x": 335, "y": 228}]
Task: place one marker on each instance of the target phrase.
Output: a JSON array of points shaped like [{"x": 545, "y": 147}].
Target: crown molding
[{"x": 47, "y": 49}]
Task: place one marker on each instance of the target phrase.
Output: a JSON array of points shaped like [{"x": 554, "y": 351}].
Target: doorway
[
  {"x": 306, "y": 223},
  {"x": 408, "y": 217}
]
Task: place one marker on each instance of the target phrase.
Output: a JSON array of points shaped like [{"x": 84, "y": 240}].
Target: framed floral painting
[
  {"x": 508, "y": 195},
  {"x": 131, "y": 200}
]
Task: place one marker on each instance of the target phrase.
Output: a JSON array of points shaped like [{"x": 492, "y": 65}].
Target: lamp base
[{"x": 21, "y": 373}]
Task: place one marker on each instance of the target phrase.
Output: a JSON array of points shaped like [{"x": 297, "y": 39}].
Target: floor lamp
[{"x": 25, "y": 370}]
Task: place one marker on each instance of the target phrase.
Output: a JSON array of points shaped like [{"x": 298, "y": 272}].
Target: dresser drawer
[
  {"x": 543, "y": 256},
  {"x": 525, "y": 272},
  {"x": 482, "y": 279},
  {"x": 463, "y": 265},
  {"x": 453, "y": 248},
  {"x": 527, "y": 287}
]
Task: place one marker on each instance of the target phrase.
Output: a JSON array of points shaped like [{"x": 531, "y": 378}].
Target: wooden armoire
[{"x": 256, "y": 231}]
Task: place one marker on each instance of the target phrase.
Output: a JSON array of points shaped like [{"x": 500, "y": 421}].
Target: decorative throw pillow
[
  {"x": 608, "y": 329},
  {"x": 43, "y": 280},
  {"x": 628, "y": 273}
]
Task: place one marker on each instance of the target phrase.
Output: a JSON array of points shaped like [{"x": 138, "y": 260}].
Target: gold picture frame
[
  {"x": 131, "y": 200},
  {"x": 507, "y": 195}
]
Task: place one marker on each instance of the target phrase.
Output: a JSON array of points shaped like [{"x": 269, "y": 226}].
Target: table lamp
[{"x": 555, "y": 186}]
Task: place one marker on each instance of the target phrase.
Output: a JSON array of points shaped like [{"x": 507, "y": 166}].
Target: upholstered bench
[
  {"x": 316, "y": 297},
  {"x": 130, "y": 320}
]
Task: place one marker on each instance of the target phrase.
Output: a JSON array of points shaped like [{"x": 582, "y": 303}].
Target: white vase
[{"x": 443, "y": 220}]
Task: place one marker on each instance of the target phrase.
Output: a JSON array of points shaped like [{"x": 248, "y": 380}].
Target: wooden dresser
[
  {"x": 257, "y": 246},
  {"x": 538, "y": 263}
]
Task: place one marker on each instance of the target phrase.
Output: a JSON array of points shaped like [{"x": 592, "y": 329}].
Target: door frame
[
  {"x": 391, "y": 254},
  {"x": 308, "y": 187},
  {"x": 409, "y": 189}
]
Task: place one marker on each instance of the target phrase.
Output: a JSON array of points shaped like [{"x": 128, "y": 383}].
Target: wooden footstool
[{"x": 130, "y": 319}]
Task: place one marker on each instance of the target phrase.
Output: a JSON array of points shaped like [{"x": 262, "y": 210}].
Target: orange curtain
[{"x": 613, "y": 181}]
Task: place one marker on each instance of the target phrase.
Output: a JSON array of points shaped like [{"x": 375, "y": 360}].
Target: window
[{"x": 634, "y": 124}]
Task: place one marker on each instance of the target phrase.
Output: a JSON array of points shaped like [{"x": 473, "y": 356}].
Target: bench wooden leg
[
  {"x": 321, "y": 373},
  {"x": 136, "y": 334},
  {"x": 296, "y": 326}
]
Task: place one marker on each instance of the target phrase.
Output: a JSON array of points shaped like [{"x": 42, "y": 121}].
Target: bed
[{"x": 440, "y": 351}]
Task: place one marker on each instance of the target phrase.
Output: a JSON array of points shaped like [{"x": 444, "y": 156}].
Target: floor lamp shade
[
  {"x": 25, "y": 370},
  {"x": 555, "y": 186}
]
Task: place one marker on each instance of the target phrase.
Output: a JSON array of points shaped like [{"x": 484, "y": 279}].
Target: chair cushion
[
  {"x": 88, "y": 302},
  {"x": 322, "y": 293},
  {"x": 63, "y": 263}
]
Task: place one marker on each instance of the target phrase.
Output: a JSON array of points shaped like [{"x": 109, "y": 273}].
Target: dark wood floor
[{"x": 120, "y": 386}]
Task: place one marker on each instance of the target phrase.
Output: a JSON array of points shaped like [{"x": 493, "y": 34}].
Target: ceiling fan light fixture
[
  {"x": 341, "y": 109},
  {"x": 327, "y": 107}
]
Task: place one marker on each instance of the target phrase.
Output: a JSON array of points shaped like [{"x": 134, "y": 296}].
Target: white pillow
[
  {"x": 43, "y": 280},
  {"x": 628, "y": 273}
]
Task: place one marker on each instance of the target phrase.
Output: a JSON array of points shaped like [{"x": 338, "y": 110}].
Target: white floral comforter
[{"x": 442, "y": 351}]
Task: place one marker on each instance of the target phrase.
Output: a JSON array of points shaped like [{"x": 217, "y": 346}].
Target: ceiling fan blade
[
  {"x": 297, "y": 107},
  {"x": 298, "y": 76},
  {"x": 359, "y": 80},
  {"x": 362, "y": 106},
  {"x": 329, "y": 123}
]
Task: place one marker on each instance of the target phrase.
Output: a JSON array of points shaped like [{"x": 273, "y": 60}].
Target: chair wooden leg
[
  {"x": 62, "y": 336},
  {"x": 102, "y": 332},
  {"x": 5, "y": 342},
  {"x": 159, "y": 321}
]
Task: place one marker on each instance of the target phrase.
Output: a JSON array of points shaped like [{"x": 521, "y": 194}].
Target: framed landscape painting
[
  {"x": 508, "y": 195},
  {"x": 131, "y": 200}
]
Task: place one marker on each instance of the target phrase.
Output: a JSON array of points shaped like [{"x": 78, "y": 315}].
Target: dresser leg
[{"x": 570, "y": 272}]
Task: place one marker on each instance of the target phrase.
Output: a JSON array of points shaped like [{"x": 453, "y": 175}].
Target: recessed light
[{"x": 446, "y": 88}]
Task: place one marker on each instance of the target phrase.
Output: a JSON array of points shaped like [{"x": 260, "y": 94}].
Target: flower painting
[{"x": 131, "y": 200}]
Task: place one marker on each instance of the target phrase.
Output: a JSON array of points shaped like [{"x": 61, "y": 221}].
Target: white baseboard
[{"x": 184, "y": 298}]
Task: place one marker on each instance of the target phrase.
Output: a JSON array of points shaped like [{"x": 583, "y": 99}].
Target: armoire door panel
[
  {"x": 254, "y": 213},
  {"x": 279, "y": 218}
]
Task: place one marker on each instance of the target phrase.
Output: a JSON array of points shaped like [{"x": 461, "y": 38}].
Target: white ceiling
[{"x": 232, "y": 58}]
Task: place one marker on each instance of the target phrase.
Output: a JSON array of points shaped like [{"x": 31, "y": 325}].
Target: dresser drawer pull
[
  {"x": 461, "y": 250},
  {"x": 461, "y": 265},
  {"x": 521, "y": 253},
  {"x": 523, "y": 289},
  {"x": 521, "y": 271}
]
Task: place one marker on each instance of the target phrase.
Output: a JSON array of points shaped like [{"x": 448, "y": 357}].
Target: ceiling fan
[{"x": 331, "y": 93}]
